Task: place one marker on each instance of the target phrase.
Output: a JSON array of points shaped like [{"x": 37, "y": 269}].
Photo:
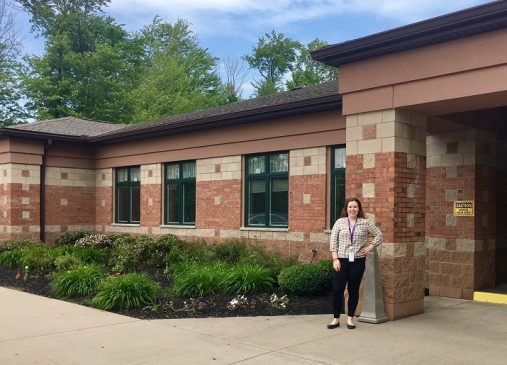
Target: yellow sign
[{"x": 463, "y": 208}]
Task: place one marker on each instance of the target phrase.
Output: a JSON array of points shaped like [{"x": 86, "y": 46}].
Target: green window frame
[
  {"x": 267, "y": 190},
  {"x": 128, "y": 194},
  {"x": 338, "y": 165},
  {"x": 180, "y": 192}
]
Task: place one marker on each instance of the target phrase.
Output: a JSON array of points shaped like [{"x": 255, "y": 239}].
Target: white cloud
[{"x": 237, "y": 16}]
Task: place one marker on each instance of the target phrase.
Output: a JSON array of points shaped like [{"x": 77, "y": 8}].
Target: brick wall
[
  {"x": 218, "y": 193},
  {"x": 151, "y": 195},
  {"x": 501, "y": 214},
  {"x": 70, "y": 201},
  {"x": 460, "y": 250},
  {"x": 104, "y": 201}
]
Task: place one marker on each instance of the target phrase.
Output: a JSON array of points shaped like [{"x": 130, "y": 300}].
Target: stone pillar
[
  {"x": 20, "y": 199},
  {"x": 501, "y": 213},
  {"x": 460, "y": 250},
  {"x": 386, "y": 166}
]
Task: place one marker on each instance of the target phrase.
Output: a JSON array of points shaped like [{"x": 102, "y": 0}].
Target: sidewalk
[{"x": 38, "y": 330}]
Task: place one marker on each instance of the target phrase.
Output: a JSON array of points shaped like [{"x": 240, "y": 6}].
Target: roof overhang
[
  {"x": 468, "y": 22},
  {"x": 27, "y": 134}
]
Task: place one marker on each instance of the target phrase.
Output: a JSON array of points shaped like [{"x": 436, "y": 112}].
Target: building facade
[{"x": 415, "y": 129}]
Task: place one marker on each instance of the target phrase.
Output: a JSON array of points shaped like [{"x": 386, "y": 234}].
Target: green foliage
[
  {"x": 126, "y": 291},
  {"x": 187, "y": 251},
  {"x": 231, "y": 251},
  {"x": 38, "y": 258},
  {"x": 178, "y": 76},
  {"x": 305, "y": 280},
  {"x": 129, "y": 253},
  {"x": 11, "y": 259},
  {"x": 192, "y": 280},
  {"x": 248, "y": 279},
  {"x": 11, "y": 244},
  {"x": 273, "y": 57},
  {"x": 273, "y": 260},
  {"x": 78, "y": 281},
  {"x": 66, "y": 262},
  {"x": 70, "y": 238}
]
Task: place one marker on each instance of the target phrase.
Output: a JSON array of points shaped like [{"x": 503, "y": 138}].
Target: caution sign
[{"x": 463, "y": 208}]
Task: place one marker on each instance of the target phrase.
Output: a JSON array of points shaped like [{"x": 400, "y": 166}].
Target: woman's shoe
[
  {"x": 351, "y": 326},
  {"x": 331, "y": 326}
]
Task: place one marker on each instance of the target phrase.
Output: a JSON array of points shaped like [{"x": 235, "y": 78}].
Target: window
[
  {"x": 128, "y": 194},
  {"x": 179, "y": 206},
  {"x": 337, "y": 181},
  {"x": 267, "y": 190}
]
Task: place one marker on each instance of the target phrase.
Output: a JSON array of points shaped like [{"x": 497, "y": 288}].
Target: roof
[
  {"x": 473, "y": 21},
  {"x": 295, "y": 102},
  {"x": 70, "y": 126}
]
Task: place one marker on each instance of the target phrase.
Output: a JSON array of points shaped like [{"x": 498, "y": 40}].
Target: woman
[{"x": 349, "y": 247}]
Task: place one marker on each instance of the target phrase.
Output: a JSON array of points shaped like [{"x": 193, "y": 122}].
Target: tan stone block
[
  {"x": 368, "y": 190},
  {"x": 451, "y": 220},
  {"x": 453, "y": 160},
  {"x": 351, "y": 148},
  {"x": 388, "y": 115},
  {"x": 418, "y": 148},
  {"x": 466, "y": 245},
  {"x": 413, "y": 161},
  {"x": 410, "y": 219},
  {"x": 419, "y": 249},
  {"x": 451, "y": 195},
  {"x": 319, "y": 237},
  {"x": 369, "y": 118},
  {"x": 369, "y": 146},
  {"x": 410, "y": 190},
  {"x": 433, "y": 161},
  {"x": 451, "y": 172},
  {"x": 388, "y": 144},
  {"x": 402, "y": 145},
  {"x": 307, "y": 198},
  {"x": 351, "y": 120},
  {"x": 438, "y": 244},
  {"x": 354, "y": 134},
  {"x": 385, "y": 130},
  {"x": 25, "y": 215},
  {"x": 369, "y": 161}
]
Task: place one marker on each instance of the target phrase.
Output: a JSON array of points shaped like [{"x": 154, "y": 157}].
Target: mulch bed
[{"x": 169, "y": 308}]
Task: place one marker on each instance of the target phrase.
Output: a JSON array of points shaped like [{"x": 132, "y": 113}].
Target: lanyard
[{"x": 352, "y": 231}]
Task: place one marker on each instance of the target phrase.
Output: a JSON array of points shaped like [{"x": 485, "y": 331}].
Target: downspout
[{"x": 42, "y": 198}]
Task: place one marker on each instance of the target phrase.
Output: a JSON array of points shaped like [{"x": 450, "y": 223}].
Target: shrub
[
  {"x": 95, "y": 240},
  {"x": 272, "y": 259},
  {"x": 79, "y": 281},
  {"x": 126, "y": 291},
  {"x": 192, "y": 280},
  {"x": 66, "y": 262},
  {"x": 305, "y": 280},
  {"x": 11, "y": 259},
  {"x": 13, "y": 244},
  {"x": 37, "y": 258},
  {"x": 247, "y": 279},
  {"x": 70, "y": 238},
  {"x": 157, "y": 251},
  {"x": 129, "y": 253},
  {"x": 187, "y": 251},
  {"x": 231, "y": 251}
]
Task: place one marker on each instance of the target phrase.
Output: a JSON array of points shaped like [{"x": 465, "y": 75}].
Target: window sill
[
  {"x": 127, "y": 224},
  {"x": 177, "y": 226},
  {"x": 264, "y": 229}
]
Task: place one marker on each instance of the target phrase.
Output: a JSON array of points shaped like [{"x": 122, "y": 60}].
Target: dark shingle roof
[
  {"x": 70, "y": 126},
  {"x": 295, "y": 102}
]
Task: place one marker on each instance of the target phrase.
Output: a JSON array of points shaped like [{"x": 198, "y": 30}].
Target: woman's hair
[{"x": 360, "y": 214}]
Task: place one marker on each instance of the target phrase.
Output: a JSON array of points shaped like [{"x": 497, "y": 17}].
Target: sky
[{"x": 231, "y": 28}]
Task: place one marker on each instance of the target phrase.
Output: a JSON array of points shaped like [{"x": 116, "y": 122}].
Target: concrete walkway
[{"x": 37, "y": 330}]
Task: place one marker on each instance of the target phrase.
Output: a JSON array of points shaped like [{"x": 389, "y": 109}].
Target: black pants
[{"x": 350, "y": 274}]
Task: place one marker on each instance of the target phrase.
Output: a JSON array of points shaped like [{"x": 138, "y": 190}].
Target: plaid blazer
[{"x": 341, "y": 242}]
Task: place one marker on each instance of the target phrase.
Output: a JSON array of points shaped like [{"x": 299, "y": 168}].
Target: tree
[
  {"x": 273, "y": 57},
  {"x": 178, "y": 76},
  {"x": 89, "y": 66},
  {"x": 11, "y": 108},
  {"x": 307, "y": 71},
  {"x": 234, "y": 76}
]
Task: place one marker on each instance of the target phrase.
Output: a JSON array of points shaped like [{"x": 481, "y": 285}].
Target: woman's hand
[
  {"x": 336, "y": 265},
  {"x": 364, "y": 250}
]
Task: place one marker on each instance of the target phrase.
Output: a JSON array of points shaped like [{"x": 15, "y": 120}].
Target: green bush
[
  {"x": 158, "y": 250},
  {"x": 231, "y": 251},
  {"x": 192, "y": 280},
  {"x": 126, "y": 291},
  {"x": 38, "y": 258},
  {"x": 129, "y": 253},
  {"x": 96, "y": 241},
  {"x": 248, "y": 279},
  {"x": 12, "y": 244},
  {"x": 270, "y": 259},
  {"x": 187, "y": 251},
  {"x": 305, "y": 280},
  {"x": 66, "y": 262},
  {"x": 11, "y": 259},
  {"x": 70, "y": 238},
  {"x": 79, "y": 281}
]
